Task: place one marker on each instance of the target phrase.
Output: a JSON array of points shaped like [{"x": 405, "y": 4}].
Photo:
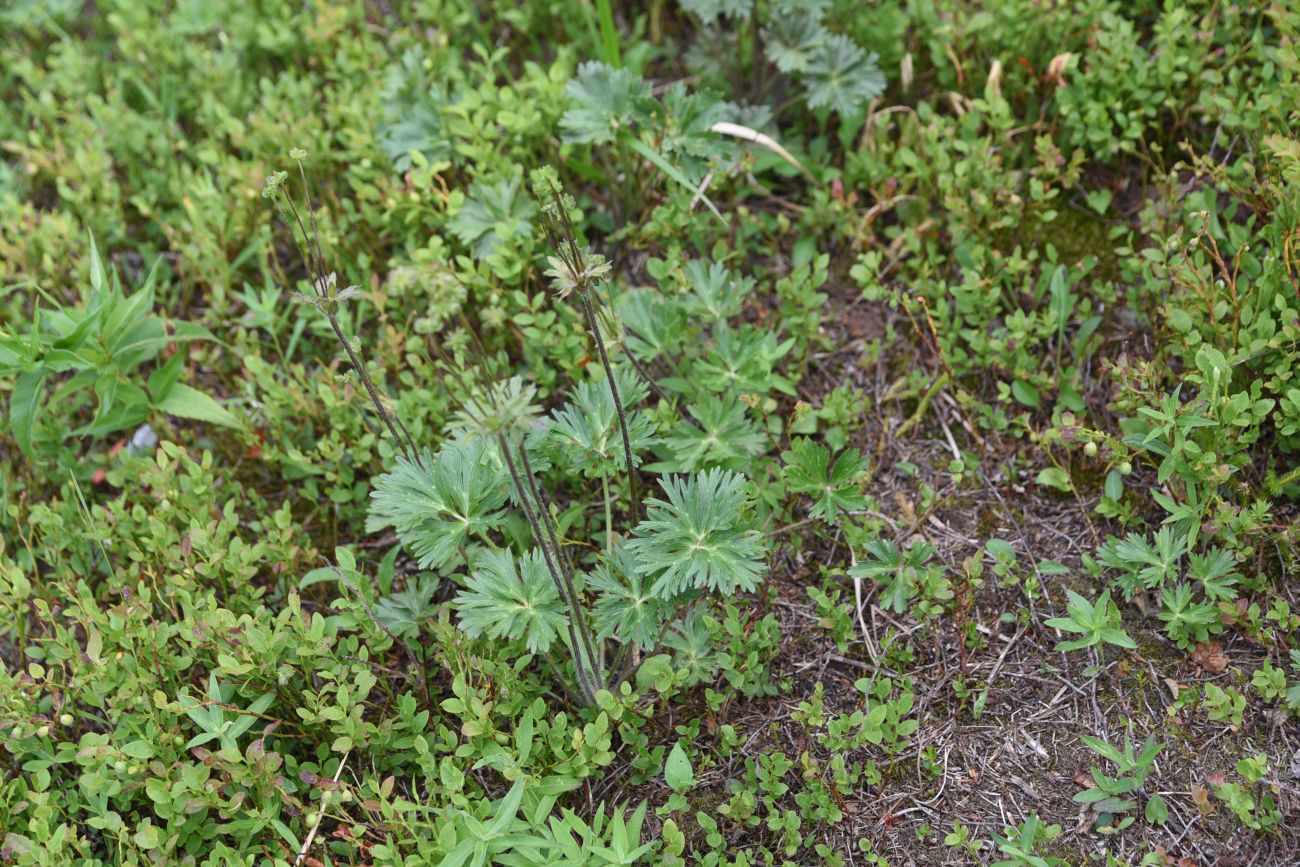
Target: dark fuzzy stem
[
  {"x": 618, "y": 402},
  {"x": 317, "y": 272},
  {"x": 394, "y": 424},
  {"x": 586, "y": 682},
  {"x": 566, "y": 566},
  {"x": 565, "y": 242}
]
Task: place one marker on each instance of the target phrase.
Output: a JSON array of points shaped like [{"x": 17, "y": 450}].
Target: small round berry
[
  {"x": 1125, "y": 468},
  {"x": 1090, "y": 449}
]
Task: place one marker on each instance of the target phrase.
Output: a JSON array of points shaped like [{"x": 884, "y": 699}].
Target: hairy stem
[
  {"x": 566, "y": 567},
  {"x": 592, "y": 324},
  {"x": 407, "y": 445},
  {"x": 586, "y": 682}
]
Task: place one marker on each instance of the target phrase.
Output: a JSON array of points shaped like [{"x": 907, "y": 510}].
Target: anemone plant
[{"x": 450, "y": 507}]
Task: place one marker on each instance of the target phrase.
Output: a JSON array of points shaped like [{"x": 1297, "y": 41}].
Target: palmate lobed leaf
[
  {"x": 699, "y": 537},
  {"x": 403, "y": 612},
  {"x": 899, "y": 572},
  {"x": 436, "y": 504},
  {"x": 833, "y": 487},
  {"x": 512, "y": 600},
  {"x": 740, "y": 361},
  {"x": 626, "y": 607},
  {"x": 725, "y": 435},
  {"x": 585, "y": 432},
  {"x": 492, "y": 215},
  {"x": 602, "y": 100},
  {"x": 791, "y": 40},
  {"x": 842, "y": 76}
]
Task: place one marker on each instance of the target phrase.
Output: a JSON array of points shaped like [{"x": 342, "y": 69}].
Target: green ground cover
[{"x": 717, "y": 432}]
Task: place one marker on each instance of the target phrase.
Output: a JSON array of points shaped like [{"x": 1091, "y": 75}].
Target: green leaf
[
  {"x": 98, "y": 279},
  {"x": 506, "y": 809},
  {"x": 1054, "y": 477},
  {"x": 435, "y": 504},
  {"x": 165, "y": 377},
  {"x": 791, "y": 40},
  {"x": 140, "y": 749},
  {"x": 656, "y": 673},
  {"x": 1025, "y": 393},
  {"x": 699, "y": 537},
  {"x": 1099, "y": 200},
  {"x": 833, "y": 487},
  {"x": 677, "y": 770},
  {"x": 723, "y": 435},
  {"x": 625, "y": 607},
  {"x": 148, "y": 837},
  {"x": 1119, "y": 638},
  {"x": 584, "y": 433},
  {"x": 187, "y": 402},
  {"x": 603, "y": 101},
  {"x": 842, "y": 76},
  {"x": 1156, "y": 811},
  {"x": 709, "y": 11},
  {"x": 404, "y": 612},
  {"x": 505, "y": 601},
  {"x": 676, "y": 174},
  {"x": 24, "y": 402},
  {"x": 492, "y": 215},
  {"x": 411, "y": 114}
]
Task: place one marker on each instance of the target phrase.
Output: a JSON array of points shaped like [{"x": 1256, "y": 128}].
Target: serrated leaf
[
  {"x": 842, "y": 76},
  {"x": 492, "y": 215},
  {"x": 699, "y": 537},
  {"x": 833, "y": 487},
  {"x": 602, "y": 102},
  {"x": 585, "y": 434},
  {"x": 625, "y": 607},
  {"x": 725, "y": 436},
  {"x": 437, "y": 503},
  {"x": 790, "y": 41},
  {"x": 505, "y": 599},
  {"x": 709, "y": 11}
]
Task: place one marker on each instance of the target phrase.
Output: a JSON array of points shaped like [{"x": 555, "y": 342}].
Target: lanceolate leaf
[
  {"x": 187, "y": 402},
  {"x": 24, "y": 401}
]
